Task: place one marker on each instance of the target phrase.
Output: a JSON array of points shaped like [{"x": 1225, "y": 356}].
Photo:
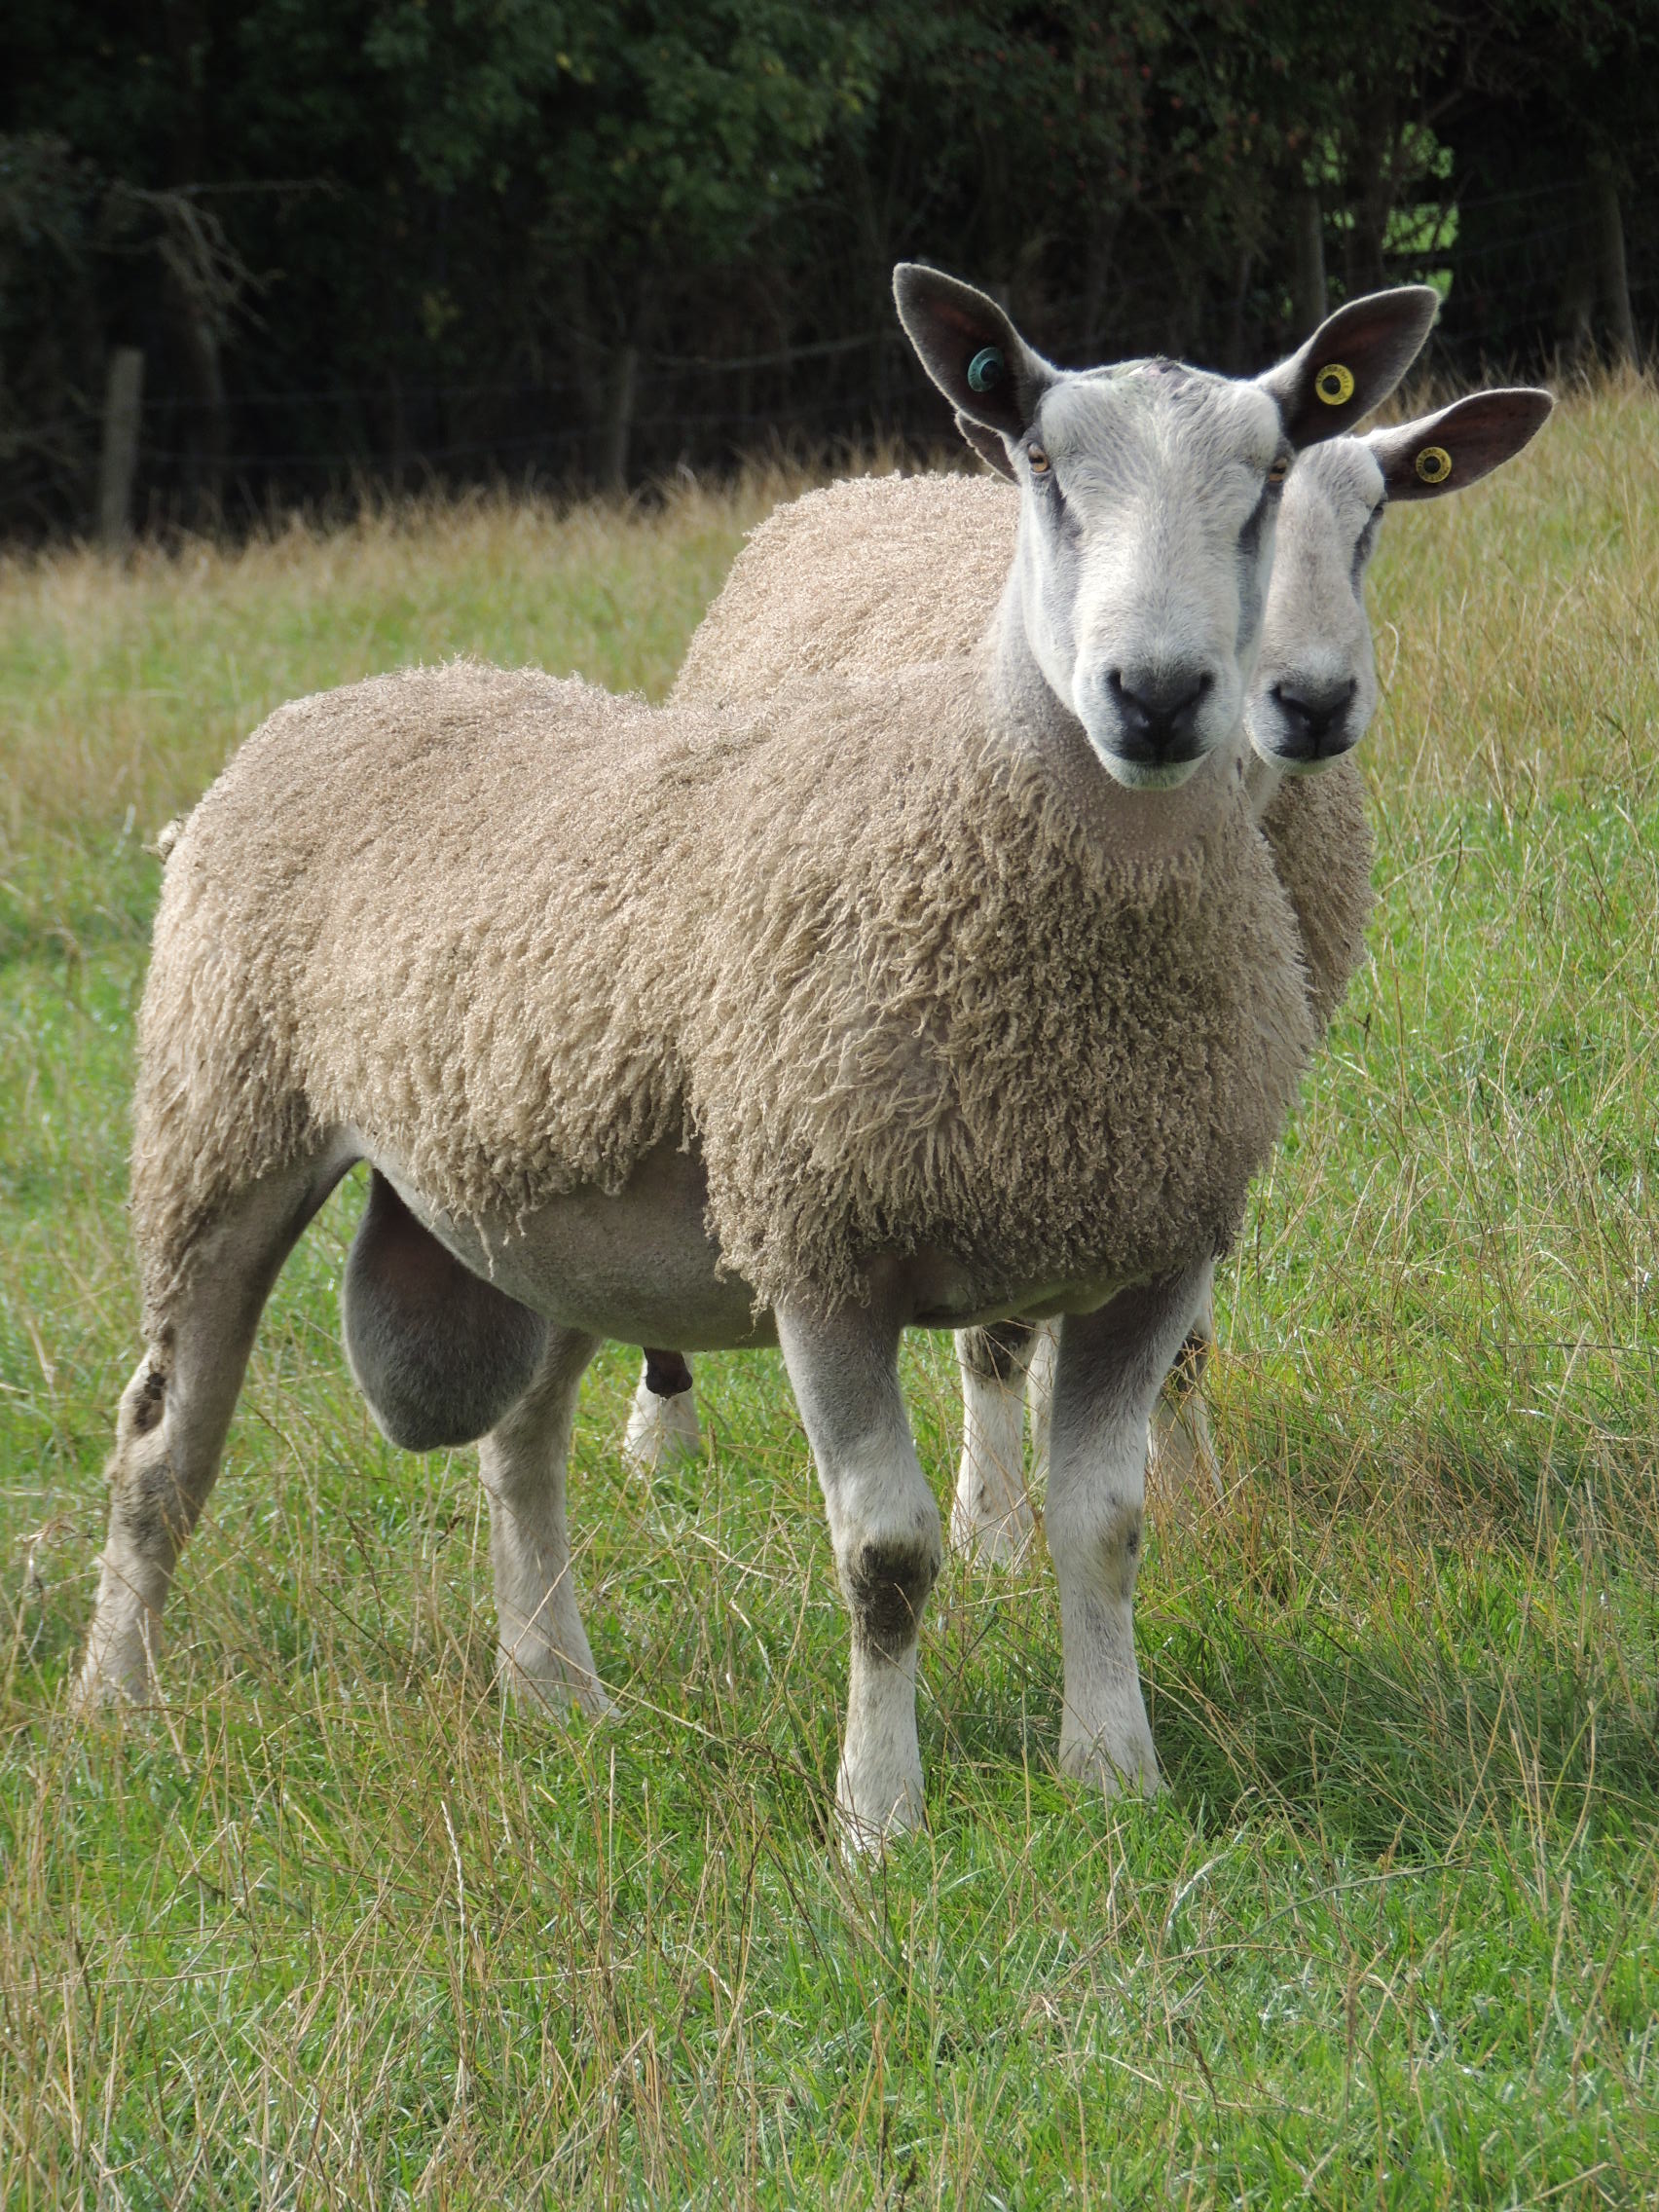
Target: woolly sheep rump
[
  {"x": 878, "y": 572},
  {"x": 520, "y": 932}
]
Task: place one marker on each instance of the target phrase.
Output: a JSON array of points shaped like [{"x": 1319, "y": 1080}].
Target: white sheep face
[
  {"x": 1148, "y": 497},
  {"x": 1149, "y": 493},
  {"x": 1315, "y": 689}
]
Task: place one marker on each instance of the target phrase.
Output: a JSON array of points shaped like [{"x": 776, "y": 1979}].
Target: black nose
[
  {"x": 1313, "y": 717},
  {"x": 1157, "y": 712}
]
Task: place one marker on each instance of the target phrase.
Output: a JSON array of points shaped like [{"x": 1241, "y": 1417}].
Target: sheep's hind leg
[
  {"x": 541, "y": 1642},
  {"x": 990, "y": 1515},
  {"x": 1182, "y": 1468},
  {"x": 1040, "y": 1397},
  {"x": 662, "y": 1421},
  {"x": 1110, "y": 1364},
  {"x": 173, "y": 1421},
  {"x": 885, "y": 1533}
]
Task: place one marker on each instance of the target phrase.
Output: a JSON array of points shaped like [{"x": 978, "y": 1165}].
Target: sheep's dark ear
[
  {"x": 988, "y": 446},
  {"x": 971, "y": 349},
  {"x": 1464, "y": 442},
  {"x": 1351, "y": 363}
]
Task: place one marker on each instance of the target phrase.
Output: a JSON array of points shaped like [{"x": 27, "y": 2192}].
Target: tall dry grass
[{"x": 128, "y": 683}]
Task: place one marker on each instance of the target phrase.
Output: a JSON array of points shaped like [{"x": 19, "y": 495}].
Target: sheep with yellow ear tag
[
  {"x": 780, "y": 1059},
  {"x": 915, "y": 565}
]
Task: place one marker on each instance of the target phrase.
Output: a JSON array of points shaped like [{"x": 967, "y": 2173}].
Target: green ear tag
[
  {"x": 1335, "y": 385},
  {"x": 986, "y": 371},
  {"x": 1433, "y": 464}
]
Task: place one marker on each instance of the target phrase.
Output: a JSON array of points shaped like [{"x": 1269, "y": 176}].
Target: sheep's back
[{"x": 860, "y": 580}]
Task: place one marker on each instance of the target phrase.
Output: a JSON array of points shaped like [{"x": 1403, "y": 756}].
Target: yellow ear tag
[
  {"x": 1335, "y": 385},
  {"x": 1433, "y": 464}
]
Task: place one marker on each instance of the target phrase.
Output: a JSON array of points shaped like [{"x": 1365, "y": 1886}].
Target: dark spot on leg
[
  {"x": 667, "y": 1374},
  {"x": 151, "y": 1509},
  {"x": 887, "y": 1587},
  {"x": 147, "y": 1406},
  {"x": 1121, "y": 1551},
  {"x": 1000, "y": 1353},
  {"x": 140, "y": 1523}
]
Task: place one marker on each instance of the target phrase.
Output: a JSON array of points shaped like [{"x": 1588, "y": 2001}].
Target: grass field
[{"x": 335, "y": 1929}]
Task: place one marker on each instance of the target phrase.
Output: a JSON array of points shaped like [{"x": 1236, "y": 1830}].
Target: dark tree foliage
[{"x": 583, "y": 240}]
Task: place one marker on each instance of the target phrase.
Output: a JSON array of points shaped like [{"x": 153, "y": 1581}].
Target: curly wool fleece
[
  {"x": 519, "y": 932},
  {"x": 875, "y": 572}
]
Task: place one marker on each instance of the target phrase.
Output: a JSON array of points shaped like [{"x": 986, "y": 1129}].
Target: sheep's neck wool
[
  {"x": 851, "y": 948},
  {"x": 875, "y": 575},
  {"x": 1320, "y": 839}
]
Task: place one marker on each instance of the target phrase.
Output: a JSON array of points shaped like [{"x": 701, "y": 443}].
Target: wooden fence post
[
  {"x": 1311, "y": 296},
  {"x": 124, "y": 399},
  {"x": 619, "y": 415},
  {"x": 1611, "y": 279}
]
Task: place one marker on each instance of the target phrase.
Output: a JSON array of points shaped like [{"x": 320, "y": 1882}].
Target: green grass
[{"x": 335, "y": 1929}]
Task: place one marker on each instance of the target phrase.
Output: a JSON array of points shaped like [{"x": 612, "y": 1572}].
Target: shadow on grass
[
  {"x": 1370, "y": 1736},
  {"x": 1388, "y": 1663}
]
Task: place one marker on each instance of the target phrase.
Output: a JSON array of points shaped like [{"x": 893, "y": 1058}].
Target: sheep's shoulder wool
[
  {"x": 1320, "y": 838},
  {"x": 877, "y": 573},
  {"x": 518, "y": 933},
  {"x": 860, "y": 580}
]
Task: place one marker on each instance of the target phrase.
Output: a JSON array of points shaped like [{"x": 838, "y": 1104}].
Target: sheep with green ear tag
[
  {"x": 955, "y": 992},
  {"x": 915, "y": 566}
]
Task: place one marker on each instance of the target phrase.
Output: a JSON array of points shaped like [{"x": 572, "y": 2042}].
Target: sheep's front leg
[
  {"x": 541, "y": 1644},
  {"x": 1106, "y": 1380},
  {"x": 990, "y": 1516},
  {"x": 885, "y": 1530}
]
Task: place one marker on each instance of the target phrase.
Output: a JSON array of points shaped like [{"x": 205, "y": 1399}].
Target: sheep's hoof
[
  {"x": 114, "y": 1679},
  {"x": 661, "y": 1431},
  {"x": 101, "y": 1696},
  {"x": 861, "y": 1831},
  {"x": 986, "y": 1539},
  {"x": 1122, "y": 1770},
  {"x": 549, "y": 1691}
]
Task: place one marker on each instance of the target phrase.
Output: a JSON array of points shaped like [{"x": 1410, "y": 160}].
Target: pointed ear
[
  {"x": 988, "y": 446},
  {"x": 1464, "y": 442},
  {"x": 1351, "y": 363},
  {"x": 971, "y": 349}
]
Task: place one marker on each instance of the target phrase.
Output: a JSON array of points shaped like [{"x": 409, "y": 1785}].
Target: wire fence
[{"x": 1509, "y": 272}]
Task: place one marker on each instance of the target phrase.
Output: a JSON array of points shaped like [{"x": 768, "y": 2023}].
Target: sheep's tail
[{"x": 167, "y": 836}]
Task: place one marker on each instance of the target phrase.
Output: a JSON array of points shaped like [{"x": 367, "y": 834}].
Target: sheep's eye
[
  {"x": 1039, "y": 460},
  {"x": 1279, "y": 470}
]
